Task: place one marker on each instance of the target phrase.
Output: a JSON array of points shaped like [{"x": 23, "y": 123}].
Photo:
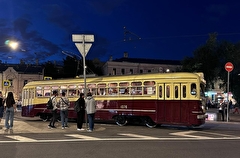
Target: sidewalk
[
  {"x": 232, "y": 117},
  {"x": 35, "y": 125}
]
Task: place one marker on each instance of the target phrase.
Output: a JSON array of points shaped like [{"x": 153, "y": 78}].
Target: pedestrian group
[{"x": 84, "y": 105}]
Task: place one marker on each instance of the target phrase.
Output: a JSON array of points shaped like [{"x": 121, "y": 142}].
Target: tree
[
  {"x": 204, "y": 60},
  {"x": 211, "y": 58}
]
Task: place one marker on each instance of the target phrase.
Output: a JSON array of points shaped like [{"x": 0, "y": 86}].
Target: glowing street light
[{"x": 12, "y": 44}]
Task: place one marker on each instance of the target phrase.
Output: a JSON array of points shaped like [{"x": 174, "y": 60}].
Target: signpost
[
  {"x": 82, "y": 42},
  {"x": 228, "y": 67}
]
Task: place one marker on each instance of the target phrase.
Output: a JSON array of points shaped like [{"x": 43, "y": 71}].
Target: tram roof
[{"x": 116, "y": 78}]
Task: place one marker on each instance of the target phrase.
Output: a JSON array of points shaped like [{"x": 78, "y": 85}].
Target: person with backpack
[
  {"x": 80, "y": 109},
  {"x": 54, "y": 110},
  {"x": 64, "y": 104}
]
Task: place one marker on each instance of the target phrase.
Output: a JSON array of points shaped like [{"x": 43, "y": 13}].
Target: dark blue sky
[{"x": 155, "y": 29}]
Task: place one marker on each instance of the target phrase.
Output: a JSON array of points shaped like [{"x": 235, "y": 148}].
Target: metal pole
[
  {"x": 84, "y": 75},
  {"x": 227, "y": 95}
]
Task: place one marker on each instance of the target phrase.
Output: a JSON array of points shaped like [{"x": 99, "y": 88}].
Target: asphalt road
[{"x": 32, "y": 138}]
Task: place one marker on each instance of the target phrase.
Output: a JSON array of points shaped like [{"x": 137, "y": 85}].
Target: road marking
[
  {"x": 22, "y": 139},
  {"x": 82, "y": 137},
  {"x": 218, "y": 134},
  {"x": 137, "y": 136},
  {"x": 187, "y": 134}
]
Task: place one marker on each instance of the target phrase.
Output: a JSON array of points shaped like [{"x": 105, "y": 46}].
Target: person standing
[
  {"x": 10, "y": 107},
  {"x": 221, "y": 110},
  {"x": 236, "y": 106},
  {"x": 54, "y": 110},
  {"x": 64, "y": 104},
  {"x": 1, "y": 106},
  {"x": 91, "y": 109},
  {"x": 81, "y": 112}
]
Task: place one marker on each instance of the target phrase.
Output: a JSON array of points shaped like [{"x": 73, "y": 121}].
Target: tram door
[
  {"x": 160, "y": 103},
  {"x": 172, "y": 102}
]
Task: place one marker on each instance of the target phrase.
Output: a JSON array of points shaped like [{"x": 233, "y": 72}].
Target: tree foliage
[
  {"x": 72, "y": 67},
  {"x": 211, "y": 58}
]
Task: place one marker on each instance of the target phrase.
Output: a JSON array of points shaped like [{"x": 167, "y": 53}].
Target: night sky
[{"x": 154, "y": 29}]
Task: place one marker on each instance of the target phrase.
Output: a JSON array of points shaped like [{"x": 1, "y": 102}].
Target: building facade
[
  {"x": 127, "y": 65},
  {"x": 14, "y": 77}
]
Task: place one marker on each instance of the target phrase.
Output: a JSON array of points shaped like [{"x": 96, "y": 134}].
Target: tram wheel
[
  {"x": 120, "y": 120},
  {"x": 149, "y": 123}
]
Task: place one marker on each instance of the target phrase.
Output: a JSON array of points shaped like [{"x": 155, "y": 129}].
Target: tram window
[
  {"x": 202, "y": 91},
  {"x": 63, "y": 89},
  {"x": 55, "y": 88},
  {"x": 134, "y": 84},
  {"x": 136, "y": 91},
  {"x": 112, "y": 85},
  {"x": 123, "y": 88},
  {"x": 47, "y": 91},
  {"x": 39, "y": 91},
  {"x": 160, "y": 92},
  {"x": 92, "y": 88},
  {"x": 193, "y": 89},
  {"x": 101, "y": 89},
  {"x": 149, "y": 90},
  {"x": 176, "y": 91},
  {"x": 112, "y": 91},
  {"x": 80, "y": 89},
  {"x": 136, "y": 88},
  {"x": 93, "y": 91},
  {"x": 149, "y": 83},
  {"x": 184, "y": 89},
  {"x": 72, "y": 92},
  {"x": 32, "y": 93},
  {"x": 167, "y": 91}
]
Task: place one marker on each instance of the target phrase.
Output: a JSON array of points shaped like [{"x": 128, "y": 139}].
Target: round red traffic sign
[{"x": 229, "y": 66}]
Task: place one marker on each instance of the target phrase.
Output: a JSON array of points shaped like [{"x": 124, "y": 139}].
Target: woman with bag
[
  {"x": 64, "y": 104},
  {"x": 80, "y": 103},
  {"x": 10, "y": 107}
]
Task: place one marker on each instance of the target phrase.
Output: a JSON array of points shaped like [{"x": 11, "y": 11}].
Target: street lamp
[{"x": 12, "y": 44}]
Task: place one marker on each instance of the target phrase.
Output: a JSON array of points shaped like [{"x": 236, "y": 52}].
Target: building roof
[
  {"x": 148, "y": 61},
  {"x": 22, "y": 68}
]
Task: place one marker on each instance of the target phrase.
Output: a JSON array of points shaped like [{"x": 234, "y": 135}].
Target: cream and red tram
[{"x": 159, "y": 98}]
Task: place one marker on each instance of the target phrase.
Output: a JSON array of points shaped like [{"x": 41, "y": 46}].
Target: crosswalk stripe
[
  {"x": 21, "y": 138},
  {"x": 187, "y": 134},
  {"x": 82, "y": 137},
  {"x": 137, "y": 136}
]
